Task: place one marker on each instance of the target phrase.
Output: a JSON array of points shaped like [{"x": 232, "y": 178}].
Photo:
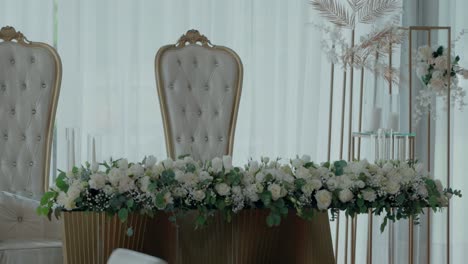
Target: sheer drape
[
  {"x": 108, "y": 89},
  {"x": 108, "y": 48}
]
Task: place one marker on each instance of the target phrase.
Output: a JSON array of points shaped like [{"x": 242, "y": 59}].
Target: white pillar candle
[
  {"x": 376, "y": 116},
  {"x": 94, "y": 151},
  {"x": 73, "y": 149},
  {"x": 407, "y": 148},
  {"x": 68, "y": 155},
  {"x": 393, "y": 121}
]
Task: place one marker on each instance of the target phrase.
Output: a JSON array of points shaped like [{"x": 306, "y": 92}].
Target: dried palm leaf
[
  {"x": 334, "y": 12},
  {"x": 356, "y": 5},
  {"x": 375, "y": 9}
]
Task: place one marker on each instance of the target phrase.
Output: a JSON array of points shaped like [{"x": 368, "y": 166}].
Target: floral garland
[
  {"x": 182, "y": 185},
  {"x": 432, "y": 69}
]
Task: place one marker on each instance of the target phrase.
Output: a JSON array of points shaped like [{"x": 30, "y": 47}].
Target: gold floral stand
[
  {"x": 90, "y": 237},
  {"x": 247, "y": 239}
]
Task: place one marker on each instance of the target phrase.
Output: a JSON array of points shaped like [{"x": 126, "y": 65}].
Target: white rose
[
  {"x": 324, "y": 199},
  {"x": 144, "y": 183},
  {"x": 421, "y": 69},
  {"x": 168, "y": 163},
  {"x": 273, "y": 164},
  {"x": 66, "y": 201},
  {"x": 317, "y": 184},
  {"x": 419, "y": 168},
  {"x": 297, "y": 163},
  {"x": 150, "y": 161},
  {"x": 369, "y": 195},
  {"x": 157, "y": 170},
  {"x": 189, "y": 159},
  {"x": 97, "y": 181},
  {"x": 227, "y": 163},
  {"x": 236, "y": 190},
  {"x": 222, "y": 189},
  {"x": 259, "y": 177},
  {"x": 198, "y": 195},
  {"x": 108, "y": 190},
  {"x": 332, "y": 184},
  {"x": 180, "y": 164},
  {"x": 387, "y": 167},
  {"x": 345, "y": 195},
  {"x": 179, "y": 192},
  {"x": 392, "y": 187},
  {"x": 422, "y": 191},
  {"x": 441, "y": 63},
  {"x": 374, "y": 169},
  {"x": 305, "y": 158},
  {"x": 275, "y": 191},
  {"x": 436, "y": 84},
  {"x": 114, "y": 176},
  {"x": 136, "y": 170},
  {"x": 303, "y": 173},
  {"x": 126, "y": 184},
  {"x": 359, "y": 184},
  {"x": 205, "y": 176},
  {"x": 217, "y": 164},
  {"x": 168, "y": 198},
  {"x": 465, "y": 74},
  {"x": 308, "y": 189},
  {"x": 259, "y": 187},
  {"x": 425, "y": 52},
  {"x": 122, "y": 164},
  {"x": 253, "y": 166},
  {"x": 265, "y": 159},
  {"x": 344, "y": 182}
]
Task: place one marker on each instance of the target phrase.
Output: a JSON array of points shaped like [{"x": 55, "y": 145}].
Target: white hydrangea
[
  {"x": 97, "y": 181},
  {"x": 168, "y": 163},
  {"x": 250, "y": 192}
]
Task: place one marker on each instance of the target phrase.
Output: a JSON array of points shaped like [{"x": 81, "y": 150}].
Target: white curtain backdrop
[
  {"x": 109, "y": 89},
  {"x": 109, "y": 92}
]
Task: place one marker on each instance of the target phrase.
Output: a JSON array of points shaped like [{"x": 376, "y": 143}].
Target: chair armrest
[{"x": 19, "y": 220}]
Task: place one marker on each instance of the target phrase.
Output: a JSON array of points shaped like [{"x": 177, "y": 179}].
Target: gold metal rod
[
  {"x": 428, "y": 244},
  {"x": 346, "y": 240},
  {"x": 369, "y": 237},
  {"x": 390, "y": 51},
  {"x": 343, "y": 103},
  {"x": 410, "y": 240},
  {"x": 449, "y": 33},
  {"x": 330, "y": 111},
  {"x": 361, "y": 94},
  {"x": 410, "y": 78},
  {"x": 351, "y": 85},
  {"x": 337, "y": 236},
  {"x": 428, "y": 28},
  {"x": 353, "y": 238}
]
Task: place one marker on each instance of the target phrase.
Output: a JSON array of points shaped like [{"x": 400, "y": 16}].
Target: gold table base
[
  {"x": 247, "y": 239},
  {"x": 90, "y": 237}
]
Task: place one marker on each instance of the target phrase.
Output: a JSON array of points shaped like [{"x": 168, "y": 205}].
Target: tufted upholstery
[
  {"x": 30, "y": 75},
  {"x": 199, "y": 88},
  {"x": 28, "y": 91}
]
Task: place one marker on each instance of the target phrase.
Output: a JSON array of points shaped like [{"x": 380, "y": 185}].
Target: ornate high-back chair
[
  {"x": 30, "y": 76},
  {"x": 199, "y": 86}
]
